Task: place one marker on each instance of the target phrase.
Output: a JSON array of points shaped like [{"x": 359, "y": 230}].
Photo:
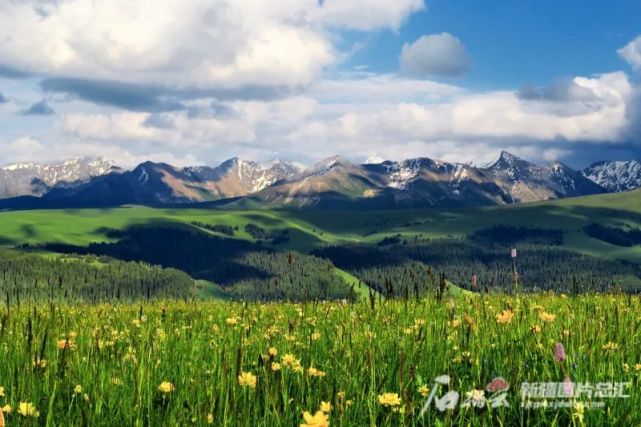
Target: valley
[{"x": 404, "y": 250}]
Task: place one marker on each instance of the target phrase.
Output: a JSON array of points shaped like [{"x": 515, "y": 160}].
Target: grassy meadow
[
  {"x": 221, "y": 363},
  {"x": 313, "y": 229},
  {"x": 371, "y": 362}
]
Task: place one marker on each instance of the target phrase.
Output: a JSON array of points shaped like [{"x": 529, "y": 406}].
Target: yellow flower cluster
[
  {"x": 27, "y": 409},
  {"x": 546, "y": 317},
  {"x": 313, "y": 372},
  {"x": 247, "y": 379},
  {"x": 389, "y": 399},
  {"x": 505, "y": 317}
]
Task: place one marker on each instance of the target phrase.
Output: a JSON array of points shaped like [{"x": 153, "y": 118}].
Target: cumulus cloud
[
  {"x": 501, "y": 115},
  {"x": 215, "y": 43},
  {"x": 40, "y": 108},
  {"x": 124, "y": 126},
  {"x": 449, "y": 123},
  {"x": 435, "y": 55},
  {"x": 23, "y": 149},
  {"x": 251, "y": 78},
  {"x": 631, "y": 52}
]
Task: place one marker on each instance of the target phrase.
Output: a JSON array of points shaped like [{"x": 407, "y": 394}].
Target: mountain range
[
  {"x": 36, "y": 179},
  {"x": 334, "y": 183}
]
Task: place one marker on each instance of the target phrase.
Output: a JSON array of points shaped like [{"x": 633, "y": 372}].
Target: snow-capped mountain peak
[
  {"x": 615, "y": 176},
  {"x": 35, "y": 179}
]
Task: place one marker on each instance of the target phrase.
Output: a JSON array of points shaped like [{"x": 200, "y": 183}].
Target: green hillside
[{"x": 313, "y": 229}]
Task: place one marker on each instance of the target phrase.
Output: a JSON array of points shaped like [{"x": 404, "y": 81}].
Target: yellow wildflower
[
  {"x": 423, "y": 391},
  {"x": 166, "y": 387},
  {"x": 210, "y": 418},
  {"x": 65, "y": 344},
  {"x": 326, "y": 407},
  {"x": 389, "y": 399},
  {"x": 1, "y": 391},
  {"x": 77, "y": 389},
  {"x": 27, "y": 409},
  {"x": 319, "y": 419},
  {"x": 272, "y": 351},
  {"x": 247, "y": 379},
  {"x": 579, "y": 410},
  {"x": 313, "y": 372},
  {"x": 7, "y": 409},
  {"x": 505, "y": 316},
  {"x": 276, "y": 366},
  {"x": 469, "y": 321},
  {"x": 289, "y": 359},
  {"x": 297, "y": 367},
  {"x": 610, "y": 346},
  {"x": 546, "y": 317}
]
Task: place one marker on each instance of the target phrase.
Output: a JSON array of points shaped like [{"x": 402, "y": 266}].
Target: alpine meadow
[{"x": 314, "y": 213}]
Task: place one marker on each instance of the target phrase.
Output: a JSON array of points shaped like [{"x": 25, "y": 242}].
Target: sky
[{"x": 193, "y": 82}]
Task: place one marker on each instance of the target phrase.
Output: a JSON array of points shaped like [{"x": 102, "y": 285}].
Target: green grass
[
  {"x": 118, "y": 356},
  {"x": 311, "y": 229},
  {"x": 362, "y": 290}
]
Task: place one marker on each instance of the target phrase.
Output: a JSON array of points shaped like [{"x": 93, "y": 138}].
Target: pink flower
[{"x": 559, "y": 352}]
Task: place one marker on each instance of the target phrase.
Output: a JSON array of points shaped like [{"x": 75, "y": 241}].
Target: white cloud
[
  {"x": 375, "y": 88},
  {"x": 435, "y": 55},
  {"x": 454, "y": 125},
  {"x": 369, "y": 14},
  {"x": 631, "y": 52},
  {"x": 238, "y": 44},
  {"x": 124, "y": 126},
  {"x": 23, "y": 149},
  {"x": 467, "y": 124},
  {"x": 207, "y": 43}
]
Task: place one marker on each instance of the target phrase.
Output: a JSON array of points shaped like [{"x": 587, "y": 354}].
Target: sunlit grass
[{"x": 220, "y": 363}]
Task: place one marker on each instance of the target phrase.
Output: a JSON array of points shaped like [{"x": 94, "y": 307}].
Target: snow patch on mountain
[
  {"x": 402, "y": 174},
  {"x": 22, "y": 179},
  {"x": 615, "y": 176}
]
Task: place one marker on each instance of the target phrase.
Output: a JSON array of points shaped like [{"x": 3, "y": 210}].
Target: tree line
[{"x": 27, "y": 277}]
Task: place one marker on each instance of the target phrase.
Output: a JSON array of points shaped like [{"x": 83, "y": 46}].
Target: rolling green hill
[{"x": 313, "y": 229}]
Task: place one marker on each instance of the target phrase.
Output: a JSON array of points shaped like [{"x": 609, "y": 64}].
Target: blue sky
[
  {"x": 513, "y": 43},
  {"x": 302, "y": 80}
]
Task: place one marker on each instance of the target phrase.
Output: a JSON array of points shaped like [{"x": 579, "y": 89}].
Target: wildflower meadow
[{"x": 461, "y": 361}]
